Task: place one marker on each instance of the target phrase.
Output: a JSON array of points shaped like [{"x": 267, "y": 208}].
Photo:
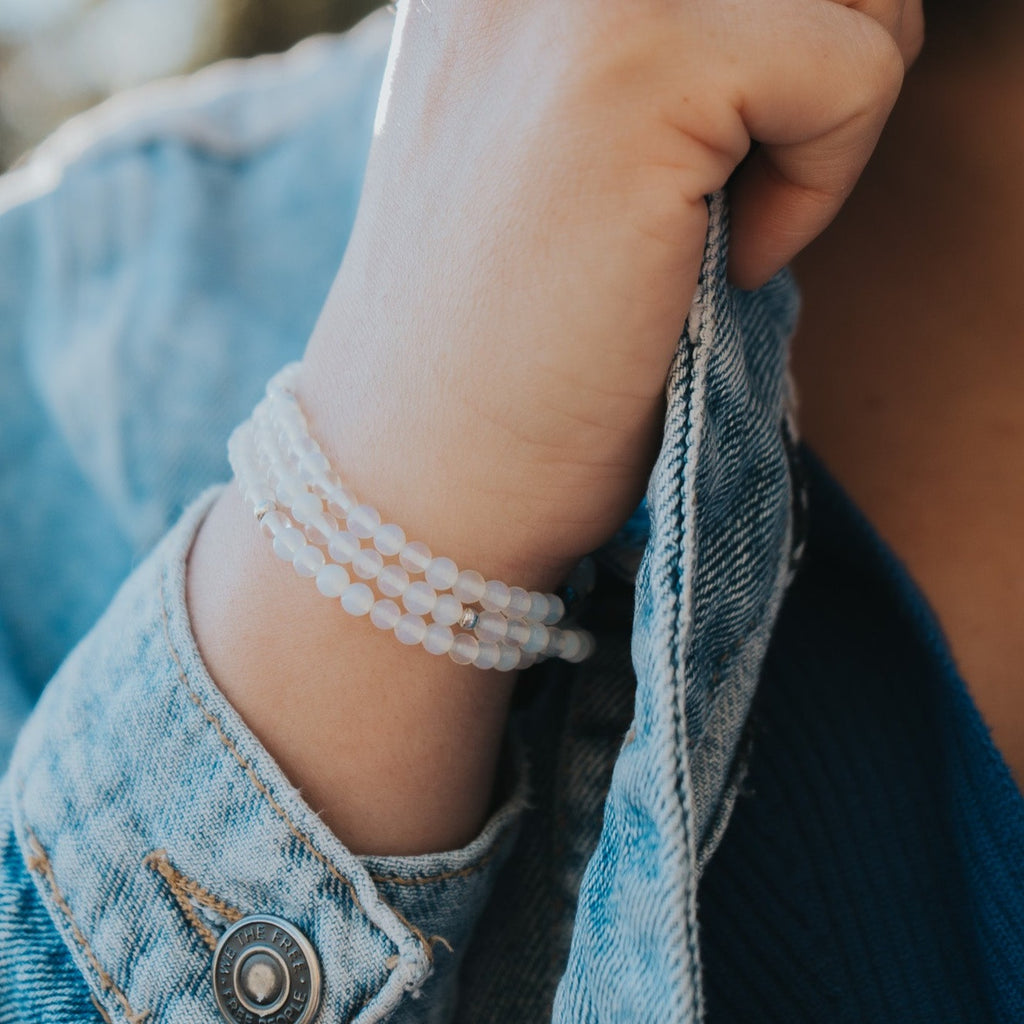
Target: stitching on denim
[
  {"x": 428, "y": 941},
  {"x": 262, "y": 789},
  {"x": 392, "y": 961},
  {"x": 739, "y": 768},
  {"x": 40, "y": 863},
  {"x": 722, "y": 668},
  {"x": 187, "y": 893},
  {"x": 700, "y": 340},
  {"x": 441, "y": 876},
  {"x": 99, "y": 1009},
  {"x": 677, "y": 710}
]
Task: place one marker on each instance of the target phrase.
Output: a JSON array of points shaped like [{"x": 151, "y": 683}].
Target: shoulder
[{"x": 163, "y": 254}]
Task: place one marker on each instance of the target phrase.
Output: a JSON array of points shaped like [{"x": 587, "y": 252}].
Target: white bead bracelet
[{"x": 301, "y": 504}]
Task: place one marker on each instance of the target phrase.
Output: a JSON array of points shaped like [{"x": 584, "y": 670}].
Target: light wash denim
[{"x": 162, "y": 256}]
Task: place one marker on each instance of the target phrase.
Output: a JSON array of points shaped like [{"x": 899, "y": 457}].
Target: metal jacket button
[{"x": 266, "y": 970}]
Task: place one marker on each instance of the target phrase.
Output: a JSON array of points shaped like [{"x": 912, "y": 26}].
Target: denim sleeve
[
  {"x": 159, "y": 258},
  {"x": 150, "y": 819}
]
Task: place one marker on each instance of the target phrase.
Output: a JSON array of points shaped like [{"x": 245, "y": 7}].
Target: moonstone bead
[
  {"x": 487, "y": 655},
  {"x": 464, "y": 648},
  {"x": 519, "y": 632},
  {"x": 262, "y": 508},
  {"x": 410, "y": 629},
  {"x": 357, "y": 599},
  {"x": 367, "y": 563},
  {"x": 308, "y": 560},
  {"x": 343, "y": 546},
  {"x": 304, "y": 446},
  {"x": 469, "y": 586},
  {"x": 491, "y": 626},
  {"x": 384, "y": 614},
  {"x": 285, "y": 419},
  {"x": 415, "y": 556},
  {"x": 340, "y": 502},
  {"x": 496, "y": 596},
  {"x": 519, "y": 602},
  {"x": 287, "y": 542},
  {"x": 312, "y": 464},
  {"x": 260, "y": 493},
  {"x": 419, "y": 598},
  {"x": 287, "y": 436},
  {"x": 539, "y": 606},
  {"x": 331, "y": 580},
  {"x": 556, "y": 610},
  {"x": 587, "y": 645},
  {"x": 305, "y": 507},
  {"x": 447, "y": 609},
  {"x": 442, "y": 573},
  {"x": 508, "y": 659},
  {"x": 571, "y": 645},
  {"x": 280, "y": 384},
  {"x": 321, "y": 528},
  {"x": 438, "y": 639},
  {"x": 280, "y": 431},
  {"x": 538, "y": 639},
  {"x": 363, "y": 520},
  {"x": 393, "y": 580},
  {"x": 553, "y": 648},
  {"x": 330, "y": 480},
  {"x": 289, "y": 489},
  {"x": 272, "y": 524},
  {"x": 388, "y": 539}
]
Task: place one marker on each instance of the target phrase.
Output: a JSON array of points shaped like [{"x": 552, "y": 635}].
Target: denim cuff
[{"x": 152, "y": 819}]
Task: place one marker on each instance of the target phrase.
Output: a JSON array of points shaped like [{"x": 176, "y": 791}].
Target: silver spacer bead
[
  {"x": 469, "y": 618},
  {"x": 262, "y": 509}
]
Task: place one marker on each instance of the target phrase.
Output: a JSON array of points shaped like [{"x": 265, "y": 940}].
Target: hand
[{"x": 489, "y": 369}]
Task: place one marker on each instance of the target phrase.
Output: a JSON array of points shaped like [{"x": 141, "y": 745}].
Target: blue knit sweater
[{"x": 874, "y": 867}]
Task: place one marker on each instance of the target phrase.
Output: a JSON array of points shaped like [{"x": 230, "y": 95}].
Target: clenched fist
[{"x": 490, "y": 366}]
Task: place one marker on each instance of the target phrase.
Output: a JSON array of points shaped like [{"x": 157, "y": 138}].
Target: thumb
[{"x": 817, "y": 124}]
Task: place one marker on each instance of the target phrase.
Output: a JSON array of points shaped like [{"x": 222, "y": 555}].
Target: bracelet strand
[{"x": 301, "y": 504}]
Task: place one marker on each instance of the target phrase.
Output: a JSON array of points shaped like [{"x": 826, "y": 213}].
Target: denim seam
[
  {"x": 703, "y": 337},
  {"x": 264, "y": 791},
  {"x": 677, "y": 515},
  {"x": 722, "y": 669},
  {"x": 99, "y": 1009},
  {"x": 441, "y": 876},
  {"x": 678, "y": 717},
  {"x": 39, "y": 862},
  {"x": 185, "y": 890}
]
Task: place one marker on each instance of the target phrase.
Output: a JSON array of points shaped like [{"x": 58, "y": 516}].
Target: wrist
[
  {"x": 396, "y": 748},
  {"x": 469, "y": 494}
]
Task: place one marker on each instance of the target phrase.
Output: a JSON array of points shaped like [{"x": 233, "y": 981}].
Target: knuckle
[{"x": 883, "y": 67}]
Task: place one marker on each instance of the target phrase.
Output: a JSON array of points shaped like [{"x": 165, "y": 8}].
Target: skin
[
  {"x": 911, "y": 374},
  {"x": 489, "y": 366}
]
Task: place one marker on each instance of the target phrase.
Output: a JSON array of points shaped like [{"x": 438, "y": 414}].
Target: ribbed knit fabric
[{"x": 873, "y": 870}]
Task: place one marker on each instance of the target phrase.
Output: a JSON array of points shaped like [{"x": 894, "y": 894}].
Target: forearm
[{"x": 396, "y": 748}]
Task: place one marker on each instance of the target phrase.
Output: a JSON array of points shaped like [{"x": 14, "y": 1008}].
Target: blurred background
[{"x": 58, "y": 57}]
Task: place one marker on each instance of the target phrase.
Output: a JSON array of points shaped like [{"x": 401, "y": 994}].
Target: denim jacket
[{"x": 162, "y": 255}]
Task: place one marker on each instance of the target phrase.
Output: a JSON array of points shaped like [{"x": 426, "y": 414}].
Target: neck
[
  {"x": 929, "y": 252},
  {"x": 910, "y": 355}
]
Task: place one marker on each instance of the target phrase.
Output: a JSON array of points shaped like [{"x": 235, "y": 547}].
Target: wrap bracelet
[{"x": 316, "y": 523}]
